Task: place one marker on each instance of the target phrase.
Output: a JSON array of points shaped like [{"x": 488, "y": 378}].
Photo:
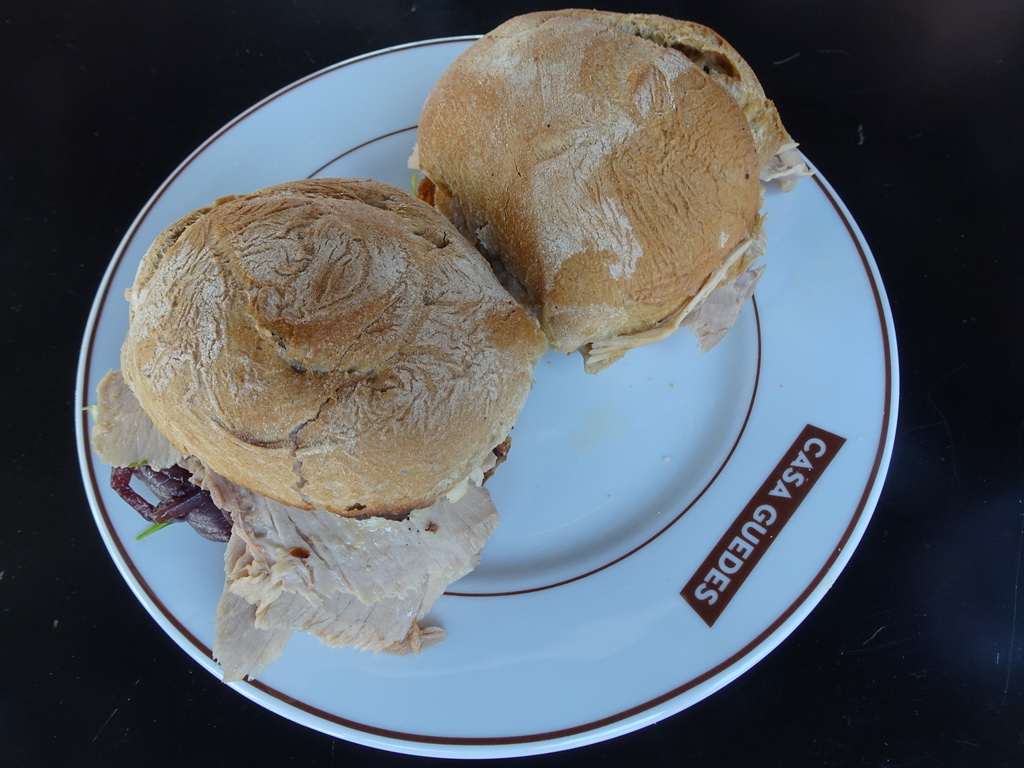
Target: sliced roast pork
[
  {"x": 365, "y": 583},
  {"x": 123, "y": 435}
]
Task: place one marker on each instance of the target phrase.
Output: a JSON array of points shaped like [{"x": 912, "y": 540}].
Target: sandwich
[
  {"x": 322, "y": 373},
  {"x": 611, "y": 167}
]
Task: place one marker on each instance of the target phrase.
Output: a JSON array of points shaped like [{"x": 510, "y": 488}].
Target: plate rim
[{"x": 607, "y": 727}]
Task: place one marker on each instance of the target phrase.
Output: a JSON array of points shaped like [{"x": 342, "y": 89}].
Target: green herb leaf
[{"x": 152, "y": 529}]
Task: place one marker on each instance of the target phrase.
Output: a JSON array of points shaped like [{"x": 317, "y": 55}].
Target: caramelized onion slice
[{"x": 178, "y": 499}]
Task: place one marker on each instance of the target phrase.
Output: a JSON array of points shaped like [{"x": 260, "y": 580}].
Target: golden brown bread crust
[
  {"x": 609, "y": 162},
  {"x": 723, "y": 63},
  {"x": 331, "y": 344}
]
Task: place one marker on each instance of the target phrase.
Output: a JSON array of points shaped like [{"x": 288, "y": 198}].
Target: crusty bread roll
[
  {"x": 331, "y": 344},
  {"x": 608, "y": 165}
]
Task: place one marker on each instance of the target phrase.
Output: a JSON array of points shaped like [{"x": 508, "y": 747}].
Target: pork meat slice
[
  {"x": 709, "y": 313},
  {"x": 251, "y": 649},
  {"x": 366, "y": 583},
  {"x": 361, "y": 583},
  {"x": 123, "y": 434},
  {"x": 713, "y": 318},
  {"x": 786, "y": 167}
]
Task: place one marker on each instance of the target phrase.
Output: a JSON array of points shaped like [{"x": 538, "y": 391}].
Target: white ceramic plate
[{"x": 617, "y": 494}]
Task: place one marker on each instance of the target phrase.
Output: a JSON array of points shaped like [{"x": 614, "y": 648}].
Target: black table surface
[{"x": 913, "y": 112}]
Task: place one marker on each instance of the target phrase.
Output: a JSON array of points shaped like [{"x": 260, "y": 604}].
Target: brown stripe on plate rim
[
  {"x": 356, "y": 148},
  {"x": 525, "y": 738}
]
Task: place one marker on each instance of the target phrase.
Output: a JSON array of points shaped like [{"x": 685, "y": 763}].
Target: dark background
[{"x": 911, "y": 109}]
